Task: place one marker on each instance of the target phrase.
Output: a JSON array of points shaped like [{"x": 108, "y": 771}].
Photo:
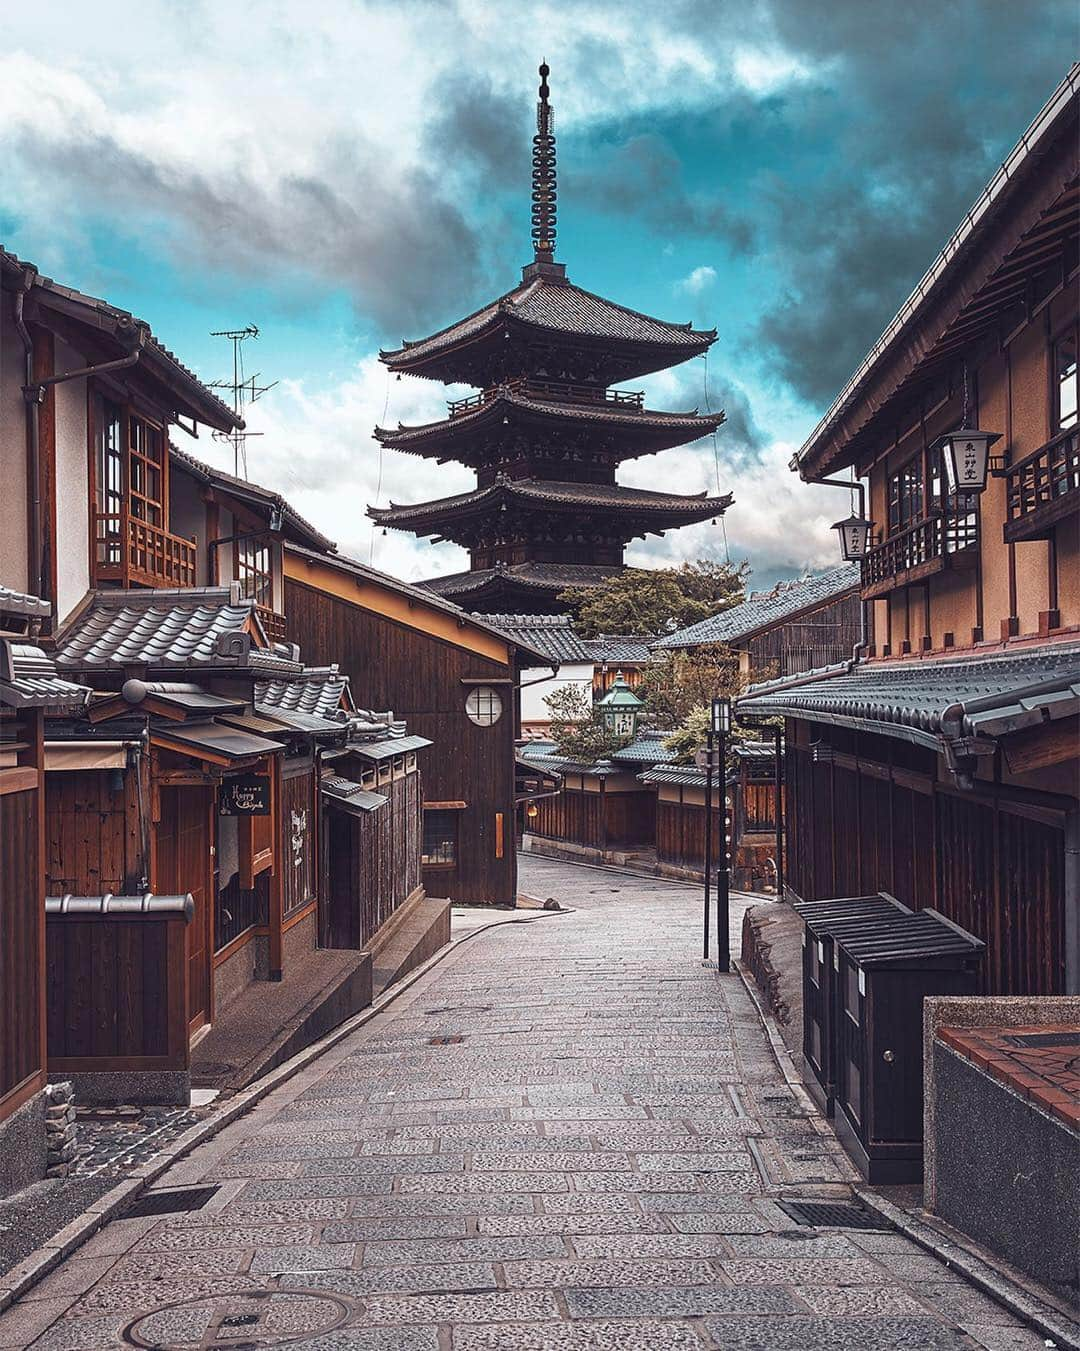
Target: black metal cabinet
[
  {"x": 882, "y": 972},
  {"x": 825, "y": 920}
]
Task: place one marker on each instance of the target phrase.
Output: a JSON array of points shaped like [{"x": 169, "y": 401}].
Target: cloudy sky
[{"x": 344, "y": 173}]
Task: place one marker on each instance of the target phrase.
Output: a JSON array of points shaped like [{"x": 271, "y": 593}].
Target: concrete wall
[
  {"x": 187, "y": 516},
  {"x": 72, "y": 485},
  {"x": 13, "y": 518},
  {"x": 22, "y": 1146},
  {"x": 533, "y": 708}
]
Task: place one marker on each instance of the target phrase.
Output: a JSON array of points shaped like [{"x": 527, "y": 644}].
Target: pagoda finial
[{"x": 543, "y": 175}]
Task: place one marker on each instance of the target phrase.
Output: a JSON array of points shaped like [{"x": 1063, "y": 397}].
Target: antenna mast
[{"x": 244, "y": 390}]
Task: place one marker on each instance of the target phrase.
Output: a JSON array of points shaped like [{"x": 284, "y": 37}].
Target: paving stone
[
  {"x": 597, "y": 1204},
  {"x": 271, "y": 1151},
  {"x": 28, "y": 1319},
  {"x": 275, "y": 1261},
  {"x": 715, "y": 1222},
  {"x": 868, "y": 1300},
  {"x": 502, "y": 1306},
  {"x": 793, "y": 1243},
  {"x": 959, "y": 1303},
  {"x": 464, "y": 1183},
  {"x": 804, "y": 1271},
  {"x": 254, "y": 1212},
  {"x": 479, "y": 1249},
  {"x": 633, "y": 1182},
  {"x": 703, "y": 1161},
  {"x": 405, "y": 1226},
  {"x": 226, "y": 1236},
  {"x": 167, "y": 1266},
  {"x": 129, "y": 1296},
  {"x": 528, "y": 1161},
  {"x": 375, "y": 1166},
  {"x": 917, "y": 1269},
  {"x": 674, "y": 1302},
  {"x": 373, "y": 1339},
  {"x": 81, "y": 1334},
  {"x": 651, "y": 1245},
  {"x": 833, "y": 1334},
  {"x": 1000, "y": 1338},
  {"x": 555, "y": 1275},
  {"x": 431, "y": 1204},
  {"x": 689, "y": 1202},
  {"x": 628, "y": 1223},
  {"x": 306, "y": 1188},
  {"x": 439, "y": 1278},
  {"x": 641, "y": 1335}
]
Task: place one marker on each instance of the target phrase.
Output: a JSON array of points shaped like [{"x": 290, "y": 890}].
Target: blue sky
[{"x": 346, "y": 174}]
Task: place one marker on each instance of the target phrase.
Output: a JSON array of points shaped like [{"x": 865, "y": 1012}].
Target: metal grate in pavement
[
  {"x": 832, "y": 1215},
  {"x": 170, "y": 1201}
]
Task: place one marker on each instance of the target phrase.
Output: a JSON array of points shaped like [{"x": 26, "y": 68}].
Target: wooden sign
[{"x": 244, "y": 795}]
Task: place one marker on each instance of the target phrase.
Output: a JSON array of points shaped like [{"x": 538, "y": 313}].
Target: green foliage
[
  {"x": 687, "y": 739},
  {"x": 657, "y": 600},
  {"x": 677, "y": 683},
  {"x": 578, "y": 728}
]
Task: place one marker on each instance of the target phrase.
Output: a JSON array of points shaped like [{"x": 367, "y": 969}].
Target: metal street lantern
[
  {"x": 621, "y": 708},
  {"x": 966, "y": 453},
  {"x": 721, "y": 716},
  {"x": 854, "y": 535}
]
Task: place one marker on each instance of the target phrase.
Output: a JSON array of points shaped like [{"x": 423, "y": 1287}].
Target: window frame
[
  {"x": 905, "y": 507},
  {"x": 489, "y": 706},
  {"x": 1069, "y": 334},
  {"x": 451, "y": 830},
  {"x": 256, "y": 582}
]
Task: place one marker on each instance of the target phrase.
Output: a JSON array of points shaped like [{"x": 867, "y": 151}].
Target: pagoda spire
[{"x": 543, "y": 175}]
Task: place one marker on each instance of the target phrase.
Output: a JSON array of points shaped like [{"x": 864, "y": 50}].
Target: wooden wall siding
[
  {"x": 116, "y": 993},
  {"x": 297, "y": 856},
  {"x": 680, "y": 833},
  {"x": 758, "y": 806},
  {"x": 91, "y": 834},
  {"x": 372, "y": 865},
  {"x": 237, "y": 909},
  {"x": 420, "y": 678},
  {"x": 575, "y": 816},
  {"x": 21, "y": 956},
  {"x": 818, "y": 639},
  {"x": 993, "y": 866}
]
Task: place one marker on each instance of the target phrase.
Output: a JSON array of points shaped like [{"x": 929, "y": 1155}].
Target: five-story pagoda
[{"x": 547, "y": 432}]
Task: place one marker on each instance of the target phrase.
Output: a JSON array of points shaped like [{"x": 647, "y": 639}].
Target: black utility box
[
  {"x": 883, "y": 972},
  {"x": 821, "y": 993}
]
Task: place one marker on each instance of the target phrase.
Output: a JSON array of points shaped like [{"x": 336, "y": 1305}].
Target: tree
[
  {"x": 657, "y": 600},
  {"x": 675, "y": 683},
  {"x": 578, "y": 728}
]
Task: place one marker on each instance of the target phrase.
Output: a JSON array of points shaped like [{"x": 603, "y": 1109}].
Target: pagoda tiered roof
[
  {"x": 547, "y": 310},
  {"x": 627, "y": 511},
  {"x": 532, "y": 586},
  {"x": 628, "y": 428}
]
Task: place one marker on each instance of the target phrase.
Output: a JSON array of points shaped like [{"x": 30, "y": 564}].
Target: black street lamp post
[{"x": 720, "y": 727}]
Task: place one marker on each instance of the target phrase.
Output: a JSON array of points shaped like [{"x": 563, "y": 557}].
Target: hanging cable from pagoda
[{"x": 543, "y": 175}]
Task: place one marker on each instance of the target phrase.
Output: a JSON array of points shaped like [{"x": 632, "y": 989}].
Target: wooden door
[{"x": 183, "y": 864}]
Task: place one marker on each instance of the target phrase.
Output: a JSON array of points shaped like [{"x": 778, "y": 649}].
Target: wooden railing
[
  {"x": 134, "y": 552},
  {"x": 921, "y": 549},
  {"x": 550, "y": 389},
  {"x": 274, "y": 625},
  {"x": 1042, "y": 488}
]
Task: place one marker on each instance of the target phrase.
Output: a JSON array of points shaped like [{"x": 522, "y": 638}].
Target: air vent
[
  {"x": 170, "y": 1202},
  {"x": 832, "y": 1215}
]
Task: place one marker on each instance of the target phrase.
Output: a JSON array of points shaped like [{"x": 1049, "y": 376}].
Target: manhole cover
[
  {"x": 237, "y": 1322},
  {"x": 170, "y": 1201},
  {"x": 832, "y": 1215}
]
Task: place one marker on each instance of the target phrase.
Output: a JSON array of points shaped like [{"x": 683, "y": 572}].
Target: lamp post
[
  {"x": 602, "y": 769},
  {"x": 720, "y": 727},
  {"x": 621, "y": 708},
  {"x": 854, "y": 532}
]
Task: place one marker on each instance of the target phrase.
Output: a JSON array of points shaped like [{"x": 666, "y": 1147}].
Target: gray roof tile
[
  {"x": 550, "y": 578},
  {"x": 19, "y": 603},
  {"x": 319, "y": 691},
  {"x": 765, "y": 609},
  {"x": 550, "y": 634},
  {"x": 612, "y": 648},
  {"x": 33, "y": 681}
]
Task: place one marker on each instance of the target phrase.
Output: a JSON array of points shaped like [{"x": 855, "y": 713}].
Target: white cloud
[{"x": 697, "y": 282}]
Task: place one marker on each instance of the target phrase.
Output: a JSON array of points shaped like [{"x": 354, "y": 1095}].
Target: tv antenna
[{"x": 244, "y": 389}]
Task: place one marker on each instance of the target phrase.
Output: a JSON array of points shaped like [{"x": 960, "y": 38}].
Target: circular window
[{"x": 484, "y": 705}]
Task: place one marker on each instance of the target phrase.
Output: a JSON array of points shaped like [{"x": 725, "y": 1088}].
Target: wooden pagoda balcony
[
  {"x": 943, "y": 539},
  {"x": 1043, "y": 488},
  {"x": 551, "y": 389},
  {"x": 274, "y": 625},
  {"x": 135, "y": 553}
]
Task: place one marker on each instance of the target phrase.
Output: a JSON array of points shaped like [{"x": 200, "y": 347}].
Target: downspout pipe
[
  {"x": 33, "y": 444},
  {"x": 858, "y": 652}
]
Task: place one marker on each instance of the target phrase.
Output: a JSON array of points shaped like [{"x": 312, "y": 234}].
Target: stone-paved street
[{"x": 570, "y": 1134}]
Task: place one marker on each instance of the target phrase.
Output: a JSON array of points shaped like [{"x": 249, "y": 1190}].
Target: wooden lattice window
[
  {"x": 905, "y": 496},
  {"x": 440, "y": 837},
  {"x": 108, "y": 479},
  {"x": 254, "y": 570},
  {"x": 146, "y": 471},
  {"x": 1064, "y": 388}
]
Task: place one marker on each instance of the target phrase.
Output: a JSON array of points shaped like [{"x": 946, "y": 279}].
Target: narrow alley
[{"x": 567, "y": 1134}]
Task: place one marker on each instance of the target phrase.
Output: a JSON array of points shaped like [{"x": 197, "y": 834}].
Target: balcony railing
[
  {"x": 943, "y": 539},
  {"x": 551, "y": 389},
  {"x": 1043, "y": 487},
  {"x": 274, "y": 625},
  {"x": 135, "y": 553}
]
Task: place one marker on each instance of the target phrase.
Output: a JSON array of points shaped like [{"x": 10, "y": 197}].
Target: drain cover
[
  {"x": 455, "y": 1040},
  {"x": 1067, "y": 1040},
  {"x": 242, "y": 1321},
  {"x": 832, "y": 1215},
  {"x": 170, "y": 1201}
]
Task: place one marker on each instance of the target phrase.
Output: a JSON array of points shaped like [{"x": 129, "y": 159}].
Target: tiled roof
[
  {"x": 543, "y": 492},
  {"x": 687, "y": 426},
  {"x": 550, "y": 634},
  {"x": 18, "y": 603},
  {"x": 927, "y": 700},
  {"x": 127, "y": 328},
  {"x": 629, "y": 648},
  {"x": 31, "y": 680},
  {"x": 647, "y": 748},
  {"x": 765, "y": 609},
  {"x": 556, "y": 305},
  {"x": 318, "y": 690},
  {"x": 199, "y": 627},
  {"x": 550, "y": 578},
  {"x": 754, "y": 750},
  {"x": 264, "y": 496},
  {"x": 423, "y": 593},
  {"x": 688, "y": 776}
]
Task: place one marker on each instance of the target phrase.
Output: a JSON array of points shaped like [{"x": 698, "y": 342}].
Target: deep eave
[{"x": 518, "y": 586}]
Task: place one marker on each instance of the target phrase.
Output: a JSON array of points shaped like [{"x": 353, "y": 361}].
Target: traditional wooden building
[
  {"x": 618, "y": 655},
  {"x": 796, "y": 626},
  {"x": 546, "y": 433},
  {"x": 942, "y": 764},
  {"x": 29, "y": 686},
  {"x": 455, "y": 678},
  {"x": 570, "y": 664}
]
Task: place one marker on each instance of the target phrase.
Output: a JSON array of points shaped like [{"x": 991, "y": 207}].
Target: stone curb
[
  {"x": 27, "y": 1273},
  {"x": 1022, "y": 1302}
]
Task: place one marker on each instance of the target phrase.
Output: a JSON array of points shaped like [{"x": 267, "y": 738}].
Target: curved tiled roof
[
  {"x": 318, "y": 691},
  {"x": 19, "y": 603},
  {"x": 541, "y": 578},
  {"x": 543, "y": 492},
  {"x": 551, "y": 634},
  {"x": 620, "y": 647},
  {"x": 639, "y": 421},
  {"x": 764, "y": 609},
  {"x": 555, "y": 305}
]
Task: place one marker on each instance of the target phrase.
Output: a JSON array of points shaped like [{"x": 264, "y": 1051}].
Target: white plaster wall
[
  {"x": 187, "y": 515},
  {"x": 533, "y": 708},
  {"x": 13, "y": 506},
  {"x": 72, "y": 486}
]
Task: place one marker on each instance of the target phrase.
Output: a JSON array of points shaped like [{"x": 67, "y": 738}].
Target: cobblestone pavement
[{"x": 570, "y": 1134}]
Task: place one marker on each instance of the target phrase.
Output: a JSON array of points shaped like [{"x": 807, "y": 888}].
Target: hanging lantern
[
  {"x": 621, "y": 708},
  {"x": 720, "y": 717},
  {"x": 966, "y": 453},
  {"x": 854, "y": 537},
  {"x": 532, "y": 811}
]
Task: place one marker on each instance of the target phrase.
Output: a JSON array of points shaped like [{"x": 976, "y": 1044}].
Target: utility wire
[{"x": 378, "y": 485}]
